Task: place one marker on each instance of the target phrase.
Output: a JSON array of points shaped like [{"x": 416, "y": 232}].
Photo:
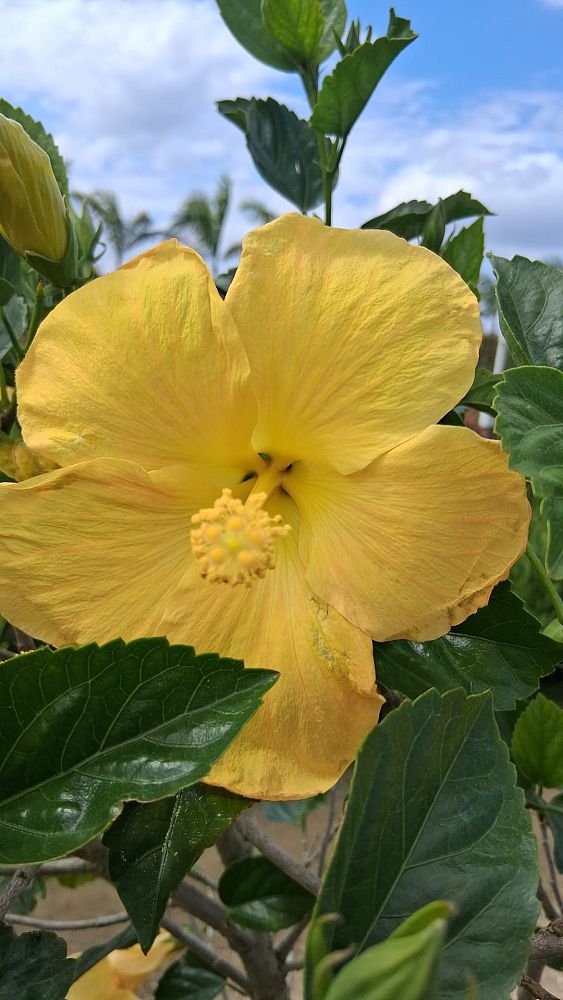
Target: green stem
[
  {"x": 18, "y": 350},
  {"x": 4, "y": 401},
  {"x": 327, "y": 183},
  {"x": 546, "y": 583},
  {"x": 36, "y": 316}
]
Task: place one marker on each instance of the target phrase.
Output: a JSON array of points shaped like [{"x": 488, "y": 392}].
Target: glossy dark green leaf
[
  {"x": 405, "y": 965},
  {"x": 464, "y": 252},
  {"x": 345, "y": 93},
  {"x": 283, "y": 147},
  {"x": 409, "y": 218},
  {"x": 481, "y": 394},
  {"x": 261, "y": 896},
  {"x": 189, "y": 979},
  {"x": 153, "y": 844},
  {"x": 499, "y": 648},
  {"x": 305, "y": 28},
  {"x": 39, "y": 134},
  {"x": 434, "y": 811},
  {"x": 529, "y": 403},
  {"x": 292, "y": 812},
  {"x": 33, "y": 966},
  {"x": 83, "y": 729},
  {"x": 434, "y": 228},
  {"x": 91, "y": 956},
  {"x": 244, "y": 20},
  {"x": 537, "y": 743},
  {"x": 530, "y": 302}
]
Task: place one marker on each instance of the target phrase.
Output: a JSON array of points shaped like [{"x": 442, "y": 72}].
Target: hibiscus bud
[{"x": 33, "y": 215}]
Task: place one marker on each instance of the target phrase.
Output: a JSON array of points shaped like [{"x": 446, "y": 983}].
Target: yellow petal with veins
[
  {"x": 143, "y": 364},
  {"x": 414, "y": 543},
  {"x": 356, "y": 340},
  {"x": 323, "y": 705},
  {"x": 94, "y": 551}
]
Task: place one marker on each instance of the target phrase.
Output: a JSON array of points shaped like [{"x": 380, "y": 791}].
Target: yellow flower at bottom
[
  {"x": 262, "y": 477},
  {"x": 122, "y": 971}
]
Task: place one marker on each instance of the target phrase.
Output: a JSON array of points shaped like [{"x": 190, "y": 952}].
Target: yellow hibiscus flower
[
  {"x": 193, "y": 433},
  {"x": 122, "y": 971}
]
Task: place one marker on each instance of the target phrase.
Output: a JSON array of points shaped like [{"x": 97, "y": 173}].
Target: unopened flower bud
[{"x": 33, "y": 216}]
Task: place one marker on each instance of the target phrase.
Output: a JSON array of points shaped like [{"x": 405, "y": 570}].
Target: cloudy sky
[{"x": 128, "y": 89}]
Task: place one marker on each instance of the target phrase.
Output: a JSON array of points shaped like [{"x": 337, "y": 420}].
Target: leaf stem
[
  {"x": 4, "y": 400},
  {"x": 546, "y": 582},
  {"x": 18, "y": 350},
  {"x": 36, "y": 316}
]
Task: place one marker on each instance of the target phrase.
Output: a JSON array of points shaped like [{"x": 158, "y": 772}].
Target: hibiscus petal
[
  {"x": 143, "y": 364},
  {"x": 356, "y": 340},
  {"x": 413, "y": 544},
  {"x": 98, "y": 984},
  {"x": 324, "y": 703},
  {"x": 93, "y": 552}
]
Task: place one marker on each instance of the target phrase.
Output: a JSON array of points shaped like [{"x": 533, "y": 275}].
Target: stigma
[{"x": 234, "y": 542}]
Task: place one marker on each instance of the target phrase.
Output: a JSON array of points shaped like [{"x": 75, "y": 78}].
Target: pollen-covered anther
[{"x": 234, "y": 542}]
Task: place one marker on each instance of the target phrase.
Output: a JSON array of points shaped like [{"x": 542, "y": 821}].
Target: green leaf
[
  {"x": 529, "y": 403},
  {"x": 83, "y": 729},
  {"x": 405, "y": 965},
  {"x": 27, "y": 899},
  {"x": 434, "y": 811},
  {"x": 530, "y": 302},
  {"x": 262, "y": 897},
  {"x": 537, "y": 743},
  {"x": 464, "y": 252},
  {"x": 283, "y": 147},
  {"x": 91, "y": 956},
  {"x": 409, "y": 218},
  {"x": 295, "y": 24},
  {"x": 292, "y": 812},
  {"x": 153, "y": 844},
  {"x": 44, "y": 139},
  {"x": 481, "y": 394},
  {"x": 553, "y": 811},
  {"x": 305, "y": 28},
  {"x": 434, "y": 228},
  {"x": 244, "y": 20},
  {"x": 33, "y": 966},
  {"x": 189, "y": 979},
  {"x": 499, "y": 648},
  {"x": 345, "y": 93}
]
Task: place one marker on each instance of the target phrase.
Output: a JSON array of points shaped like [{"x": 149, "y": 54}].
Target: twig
[
  {"x": 547, "y": 942},
  {"x": 199, "y": 876},
  {"x": 64, "y": 866},
  {"x": 288, "y": 942},
  {"x": 19, "y": 880},
  {"x": 536, "y": 990},
  {"x": 255, "y": 835},
  {"x": 67, "y": 925},
  {"x": 548, "y": 907},
  {"x": 206, "y": 953},
  {"x": 392, "y": 698},
  {"x": 550, "y": 864}
]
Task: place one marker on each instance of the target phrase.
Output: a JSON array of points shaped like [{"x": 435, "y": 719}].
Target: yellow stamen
[{"x": 234, "y": 542}]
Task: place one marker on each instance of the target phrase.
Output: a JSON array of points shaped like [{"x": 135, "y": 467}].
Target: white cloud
[
  {"x": 552, "y": 3},
  {"x": 128, "y": 89}
]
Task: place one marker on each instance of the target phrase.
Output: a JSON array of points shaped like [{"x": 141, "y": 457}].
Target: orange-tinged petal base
[{"x": 323, "y": 705}]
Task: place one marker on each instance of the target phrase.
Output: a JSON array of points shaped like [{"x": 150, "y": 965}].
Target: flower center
[{"x": 234, "y": 542}]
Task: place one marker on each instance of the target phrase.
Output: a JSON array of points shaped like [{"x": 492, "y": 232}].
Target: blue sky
[{"x": 128, "y": 88}]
